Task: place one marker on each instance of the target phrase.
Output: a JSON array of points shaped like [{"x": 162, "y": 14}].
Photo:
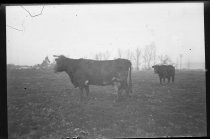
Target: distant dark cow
[
  {"x": 165, "y": 71},
  {"x": 85, "y": 72}
]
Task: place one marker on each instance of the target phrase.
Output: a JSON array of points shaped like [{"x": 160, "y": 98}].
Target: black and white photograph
[{"x": 106, "y": 70}]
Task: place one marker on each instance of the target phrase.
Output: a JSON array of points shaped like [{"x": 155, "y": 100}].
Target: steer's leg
[
  {"x": 125, "y": 87},
  {"x": 87, "y": 90},
  {"x": 119, "y": 94},
  {"x": 160, "y": 79},
  {"x": 117, "y": 90},
  {"x": 169, "y": 79},
  {"x": 173, "y": 78},
  {"x": 81, "y": 93}
]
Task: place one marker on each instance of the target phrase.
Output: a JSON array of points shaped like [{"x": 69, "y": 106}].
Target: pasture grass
[{"x": 42, "y": 104}]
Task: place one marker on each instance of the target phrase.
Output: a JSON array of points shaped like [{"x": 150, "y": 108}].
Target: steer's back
[{"x": 102, "y": 72}]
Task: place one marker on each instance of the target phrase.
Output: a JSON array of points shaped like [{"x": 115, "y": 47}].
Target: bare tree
[
  {"x": 167, "y": 60},
  {"x": 129, "y": 54},
  {"x": 31, "y": 15},
  {"x": 136, "y": 58},
  {"x": 102, "y": 56},
  {"x": 30, "y": 12},
  {"x": 46, "y": 63},
  {"x": 119, "y": 51},
  {"x": 160, "y": 57},
  {"x": 149, "y": 54},
  {"x": 98, "y": 56},
  {"x": 106, "y": 55},
  {"x": 84, "y": 57},
  {"x": 164, "y": 59},
  {"x": 15, "y": 28}
]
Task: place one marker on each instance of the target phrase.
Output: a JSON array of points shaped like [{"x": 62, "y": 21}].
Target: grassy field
[{"x": 42, "y": 104}]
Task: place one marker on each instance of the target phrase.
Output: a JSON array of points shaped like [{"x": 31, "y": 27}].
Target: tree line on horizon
[{"x": 141, "y": 59}]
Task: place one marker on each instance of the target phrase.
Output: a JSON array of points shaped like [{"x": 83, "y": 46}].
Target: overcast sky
[{"x": 82, "y": 30}]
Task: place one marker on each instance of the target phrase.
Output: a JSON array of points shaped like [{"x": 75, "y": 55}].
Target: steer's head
[
  {"x": 60, "y": 63},
  {"x": 155, "y": 67}
]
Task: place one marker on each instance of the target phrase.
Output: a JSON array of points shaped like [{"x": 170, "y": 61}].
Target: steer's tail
[{"x": 130, "y": 80}]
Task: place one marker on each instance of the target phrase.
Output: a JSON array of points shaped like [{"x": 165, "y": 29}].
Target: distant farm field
[{"x": 42, "y": 104}]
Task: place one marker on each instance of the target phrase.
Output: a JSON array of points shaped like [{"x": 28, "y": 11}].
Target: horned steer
[{"x": 85, "y": 72}]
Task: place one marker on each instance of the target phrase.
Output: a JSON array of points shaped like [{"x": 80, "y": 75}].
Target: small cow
[
  {"x": 85, "y": 72},
  {"x": 164, "y": 71}
]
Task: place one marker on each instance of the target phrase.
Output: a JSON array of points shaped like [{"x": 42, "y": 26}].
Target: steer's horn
[{"x": 55, "y": 56}]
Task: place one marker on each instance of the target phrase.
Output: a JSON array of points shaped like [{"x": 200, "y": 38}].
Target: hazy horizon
[{"x": 83, "y": 30}]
